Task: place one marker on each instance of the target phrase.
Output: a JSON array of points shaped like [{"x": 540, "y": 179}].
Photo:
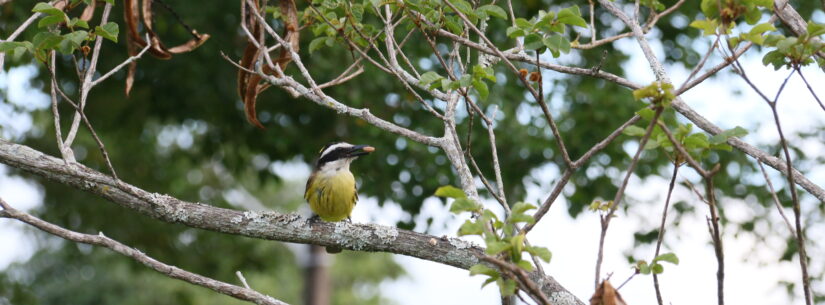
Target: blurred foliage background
[{"x": 182, "y": 132}]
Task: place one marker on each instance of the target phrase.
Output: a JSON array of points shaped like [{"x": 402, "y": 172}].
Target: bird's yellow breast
[{"x": 332, "y": 196}]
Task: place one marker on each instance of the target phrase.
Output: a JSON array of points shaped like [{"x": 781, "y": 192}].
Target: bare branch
[
  {"x": 263, "y": 225},
  {"x": 240, "y": 293}
]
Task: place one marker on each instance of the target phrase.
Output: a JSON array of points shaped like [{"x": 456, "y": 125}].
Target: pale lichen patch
[
  {"x": 460, "y": 243},
  {"x": 386, "y": 234}
]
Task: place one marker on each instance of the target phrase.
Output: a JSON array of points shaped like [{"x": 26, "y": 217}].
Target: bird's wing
[
  {"x": 356, "y": 196},
  {"x": 309, "y": 181}
]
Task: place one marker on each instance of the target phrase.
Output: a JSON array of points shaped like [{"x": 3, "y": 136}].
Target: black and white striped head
[{"x": 338, "y": 155}]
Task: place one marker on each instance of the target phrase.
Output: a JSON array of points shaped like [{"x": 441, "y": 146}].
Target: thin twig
[
  {"x": 661, "y": 236},
  {"x": 776, "y": 200},
  {"x": 605, "y": 220},
  {"x": 799, "y": 71}
]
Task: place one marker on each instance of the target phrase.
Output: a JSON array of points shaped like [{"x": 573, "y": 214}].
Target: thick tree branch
[
  {"x": 264, "y": 225},
  {"x": 237, "y": 292}
]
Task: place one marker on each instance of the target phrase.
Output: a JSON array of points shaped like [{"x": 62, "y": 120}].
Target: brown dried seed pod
[{"x": 535, "y": 76}]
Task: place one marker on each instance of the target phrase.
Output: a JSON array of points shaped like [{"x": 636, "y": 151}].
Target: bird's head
[{"x": 338, "y": 155}]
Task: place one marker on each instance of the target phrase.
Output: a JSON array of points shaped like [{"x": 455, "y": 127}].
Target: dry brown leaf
[
  {"x": 88, "y": 12},
  {"x": 606, "y": 295},
  {"x": 134, "y": 42},
  {"x": 249, "y": 84}
]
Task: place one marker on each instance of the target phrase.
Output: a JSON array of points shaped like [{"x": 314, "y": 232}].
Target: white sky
[{"x": 751, "y": 275}]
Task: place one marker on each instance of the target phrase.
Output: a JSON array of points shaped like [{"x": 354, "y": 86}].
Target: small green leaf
[
  {"x": 521, "y": 207},
  {"x": 108, "y": 31},
  {"x": 643, "y": 267},
  {"x": 46, "y": 40},
  {"x": 483, "y": 269},
  {"x": 572, "y": 16},
  {"x": 657, "y": 268},
  {"x": 519, "y": 217},
  {"x": 316, "y": 44},
  {"x": 428, "y": 78},
  {"x": 667, "y": 257},
  {"x": 634, "y": 131},
  {"x": 723, "y": 136},
  {"x": 762, "y": 28},
  {"x": 542, "y": 252},
  {"x": 526, "y": 265},
  {"x": 514, "y": 32},
  {"x": 495, "y": 247},
  {"x": 507, "y": 287},
  {"x": 78, "y": 23},
  {"x": 492, "y": 10},
  {"x": 815, "y": 29},
  {"x": 533, "y": 41},
  {"x": 48, "y": 9},
  {"x": 72, "y": 41},
  {"x": 470, "y": 228},
  {"x": 708, "y": 26},
  {"x": 696, "y": 140},
  {"x": 481, "y": 88},
  {"x": 524, "y": 24},
  {"x": 464, "y": 204},
  {"x": 50, "y": 20},
  {"x": 557, "y": 43},
  {"x": 489, "y": 280}
]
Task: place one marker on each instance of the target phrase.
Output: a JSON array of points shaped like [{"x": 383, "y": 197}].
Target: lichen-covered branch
[
  {"x": 101, "y": 240},
  {"x": 264, "y": 225}
]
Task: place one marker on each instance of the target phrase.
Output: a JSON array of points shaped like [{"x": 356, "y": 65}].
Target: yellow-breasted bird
[{"x": 330, "y": 189}]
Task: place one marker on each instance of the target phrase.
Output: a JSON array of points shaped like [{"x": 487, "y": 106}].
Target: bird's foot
[{"x": 313, "y": 219}]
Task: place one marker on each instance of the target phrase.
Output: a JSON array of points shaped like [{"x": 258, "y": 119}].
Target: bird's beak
[{"x": 360, "y": 150}]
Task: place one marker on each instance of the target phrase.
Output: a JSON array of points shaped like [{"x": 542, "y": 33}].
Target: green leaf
[
  {"x": 470, "y": 228},
  {"x": 723, "y": 136},
  {"x": 465, "y": 80},
  {"x": 521, "y": 207},
  {"x": 542, "y": 253},
  {"x": 78, "y": 22},
  {"x": 318, "y": 43},
  {"x": 696, "y": 140},
  {"x": 646, "y": 113},
  {"x": 667, "y": 257},
  {"x": 464, "y": 204},
  {"x": 708, "y": 26},
  {"x": 557, "y": 43},
  {"x": 524, "y": 24},
  {"x": 483, "y": 269},
  {"x": 657, "y": 268},
  {"x": 634, "y": 131},
  {"x": 519, "y": 217},
  {"x": 489, "y": 280},
  {"x": 710, "y": 8},
  {"x": 762, "y": 28},
  {"x": 481, "y": 88},
  {"x": 514, "y": 32},
  {"x": 572, "y": 16},
  {"x": 48, "y": 9},
  {"x": 50, "y": 20},
  {"x": 495, "y": 247},
  {"x": 492, "y": 10},
  {"x": 815, "y": 29},
  {"x": 643, "y": 267},
  {"x": 533, "y": 41},
  {"x": 71, "y": 41},
  {"x": 428, "y": 78},
  {"x": 108, "y": 31},
  {"x": 526, "y": 265},
  {"x": 507, "y": 287},
  {"x": 46, "y": 40}
]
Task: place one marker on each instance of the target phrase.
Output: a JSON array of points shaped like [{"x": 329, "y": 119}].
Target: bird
[{"x": 330, "y": 189}]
